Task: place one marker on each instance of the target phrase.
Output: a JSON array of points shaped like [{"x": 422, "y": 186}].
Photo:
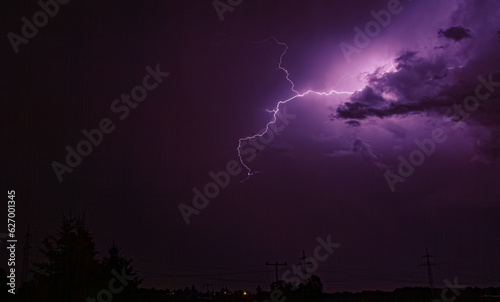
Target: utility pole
[
  {"x": 429, "y": 265},
  {"x": 303, "y": 264},
  {"x": 276, "y": 267},
  {"x": 207, "y": 285}
]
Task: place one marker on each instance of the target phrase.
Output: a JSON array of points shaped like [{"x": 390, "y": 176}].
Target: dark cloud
[
  {"x": 367, "y": 96},
  {"x": 362, "y": 111},
  {"x": 357, "y": 109},
  {"x": 361, "y": 148},
  {"x": 431, "y": 83},
  {"x": 455, "y": 33},
  {"x": 428, "y": 83},
  {"x": 366, "y": 151},
  {"x": 353, "y": 123},
  {"x": 486, "y": 150},
  {"x": 405, "y": 57},
  {"x": 481, "y": 125},
  {"x": 398, "y": 132}
]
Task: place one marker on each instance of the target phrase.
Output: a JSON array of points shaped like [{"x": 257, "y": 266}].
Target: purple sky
[{"x": 322, "y": 174}]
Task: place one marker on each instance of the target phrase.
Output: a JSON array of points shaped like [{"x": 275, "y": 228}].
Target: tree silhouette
[
  {"x": 310, "y": 291},
  {"x": 314, "y": 288},
  {"x": 118, "y": 263},
  {"x": 70, "y": 271}
]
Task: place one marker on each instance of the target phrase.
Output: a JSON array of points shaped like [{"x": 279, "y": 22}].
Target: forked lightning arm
[{"x": 277, "y": 107}]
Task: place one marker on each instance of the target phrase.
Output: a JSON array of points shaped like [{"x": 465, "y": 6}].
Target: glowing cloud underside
[{"x": 297, "y": 95}]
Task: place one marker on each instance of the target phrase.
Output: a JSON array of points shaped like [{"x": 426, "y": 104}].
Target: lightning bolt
[{"x": 276, "y": 108}]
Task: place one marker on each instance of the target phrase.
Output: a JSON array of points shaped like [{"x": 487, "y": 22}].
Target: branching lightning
[{"x": 276, "y": 109}]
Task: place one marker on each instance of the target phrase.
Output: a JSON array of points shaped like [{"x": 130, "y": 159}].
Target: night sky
[{"x": 345, "y": 163}]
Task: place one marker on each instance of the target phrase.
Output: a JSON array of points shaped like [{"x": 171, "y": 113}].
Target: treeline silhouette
[{"x": 72, "y": 272}]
